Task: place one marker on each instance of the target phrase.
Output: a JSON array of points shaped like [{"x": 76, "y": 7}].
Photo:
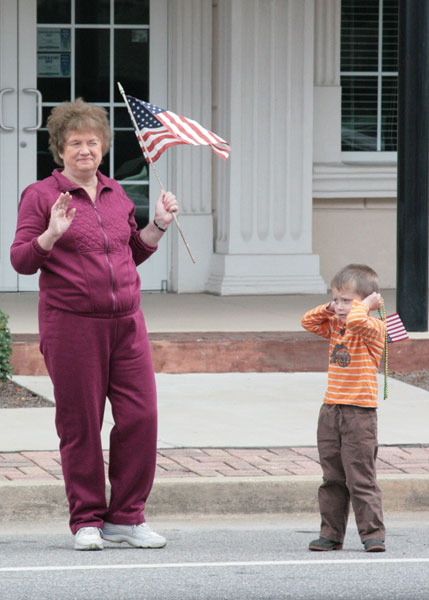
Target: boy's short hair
[{"x": 361, "y": 278}]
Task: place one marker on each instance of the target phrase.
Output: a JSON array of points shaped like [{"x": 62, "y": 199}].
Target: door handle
[
  {"x": 2, "y": 93},
  {"x": 39, "y": 109}
]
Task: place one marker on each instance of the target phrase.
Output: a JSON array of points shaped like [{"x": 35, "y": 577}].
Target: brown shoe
[
  {"x": 324, "y": 545},
  {"x": 374, "y": 546}
]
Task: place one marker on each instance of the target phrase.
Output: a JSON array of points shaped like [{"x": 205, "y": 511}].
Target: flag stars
[{"x": 143, "y": 113}]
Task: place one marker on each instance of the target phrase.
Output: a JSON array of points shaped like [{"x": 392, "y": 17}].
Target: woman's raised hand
[
  {"x": 61, "y": 217},
  {"x": 60, "y": 221}
]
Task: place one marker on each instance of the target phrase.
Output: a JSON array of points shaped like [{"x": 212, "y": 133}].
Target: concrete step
[{"x": 240, "y": 352}]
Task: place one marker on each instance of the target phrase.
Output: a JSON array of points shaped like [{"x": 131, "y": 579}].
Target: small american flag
[
  {"x": 395, "y": 329},
  {"x": 162, "y": 128}
]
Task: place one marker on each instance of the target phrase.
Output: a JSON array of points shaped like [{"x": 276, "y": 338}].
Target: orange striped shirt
[{"x": 355, "y": 352}]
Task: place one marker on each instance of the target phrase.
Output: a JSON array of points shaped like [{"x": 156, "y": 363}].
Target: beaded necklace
[{"x": 382, "y": 313}]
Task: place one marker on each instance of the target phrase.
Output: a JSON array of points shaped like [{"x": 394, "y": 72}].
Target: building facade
[{"x": 309, "y": 185}]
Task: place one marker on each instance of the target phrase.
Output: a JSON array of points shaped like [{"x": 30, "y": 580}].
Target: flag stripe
[
  {"x": 397, "y": 338},
  {"x": 183, "y": 127},
  {"x": 153, "y": 142},
  {"x": 395, "y": 328},
  {"x": 156, "y": 146},
  {"x": 194, "y": 129},
  {"x": 177, "y": 131}
]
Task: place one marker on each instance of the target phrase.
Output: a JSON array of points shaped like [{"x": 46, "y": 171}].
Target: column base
[{"x": 265, "y": 274}]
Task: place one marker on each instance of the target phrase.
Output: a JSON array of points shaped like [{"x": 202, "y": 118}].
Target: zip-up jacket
[
  {"x": 355, "y": 352},
  {"x": 91, "y": 270}
]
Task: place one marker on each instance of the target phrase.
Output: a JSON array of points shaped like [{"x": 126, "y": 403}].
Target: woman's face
[{"x": 82, "y": 153}]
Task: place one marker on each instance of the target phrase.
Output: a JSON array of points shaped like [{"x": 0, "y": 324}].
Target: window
[{"x": 369, "y": 75}]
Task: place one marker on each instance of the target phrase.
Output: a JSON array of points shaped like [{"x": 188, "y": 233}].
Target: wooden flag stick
[{"x": 140, "y": 137}]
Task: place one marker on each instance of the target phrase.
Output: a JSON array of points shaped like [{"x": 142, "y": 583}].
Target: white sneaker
[
  {"x": 139, "y": 536},
  {"x": 88, "y": 538}
]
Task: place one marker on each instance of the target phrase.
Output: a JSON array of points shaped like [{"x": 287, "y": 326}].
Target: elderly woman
[{"x": 77, "y": 226}]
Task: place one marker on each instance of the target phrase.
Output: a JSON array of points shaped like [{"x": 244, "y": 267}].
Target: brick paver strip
[{"x": 220, "y": 462}]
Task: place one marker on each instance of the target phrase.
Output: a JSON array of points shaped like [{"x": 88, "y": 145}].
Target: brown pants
[{"x": 347, "y": 443}]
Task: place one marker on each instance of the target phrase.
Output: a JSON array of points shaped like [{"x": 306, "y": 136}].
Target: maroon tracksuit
[{"x": 94, "y": 342}]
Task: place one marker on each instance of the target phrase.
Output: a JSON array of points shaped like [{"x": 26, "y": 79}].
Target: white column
[
  {"x": 327, "y": 89},
  {"x": 190, "y": 94},
  {"x": 264, "y": 108}
]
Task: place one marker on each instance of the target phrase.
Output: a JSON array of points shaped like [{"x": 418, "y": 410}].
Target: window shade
[{"x": 369, "y": 57}]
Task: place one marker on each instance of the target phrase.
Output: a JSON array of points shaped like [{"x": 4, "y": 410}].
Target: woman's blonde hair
[
  {"x": 359, "y": 278},
  {"x": 72, "y": 116}
]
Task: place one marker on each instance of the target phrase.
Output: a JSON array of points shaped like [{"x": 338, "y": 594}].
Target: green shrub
[{"x": 5, "y": 348}]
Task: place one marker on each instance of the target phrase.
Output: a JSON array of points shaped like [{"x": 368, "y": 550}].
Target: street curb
[{"x": 212, "y": 496}]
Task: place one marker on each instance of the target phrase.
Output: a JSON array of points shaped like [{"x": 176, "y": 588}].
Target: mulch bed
[
  {"x": 13, "y": 395},
  {"x": 418, "y": 378}
]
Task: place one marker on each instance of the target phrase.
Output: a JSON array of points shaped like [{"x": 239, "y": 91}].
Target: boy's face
[{"x": 343, "y": 300}]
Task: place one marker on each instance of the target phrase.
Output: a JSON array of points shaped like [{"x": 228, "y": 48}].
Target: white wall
[{"x": 356, "y": 230}]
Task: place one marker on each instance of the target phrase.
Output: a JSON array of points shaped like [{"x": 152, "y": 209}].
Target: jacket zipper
[{"x": 106, "y": 239}]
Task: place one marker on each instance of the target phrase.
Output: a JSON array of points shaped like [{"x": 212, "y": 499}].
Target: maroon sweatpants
[
  {"x": 347, "y": 443},
  {"x": 88, "y": 359}
]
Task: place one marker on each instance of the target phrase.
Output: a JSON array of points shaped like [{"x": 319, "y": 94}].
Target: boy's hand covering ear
[{"x": 373, "y": 301}]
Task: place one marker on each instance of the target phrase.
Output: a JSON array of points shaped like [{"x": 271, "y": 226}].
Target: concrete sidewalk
[
  {"x": 230, "y": 410},
  {"x": 228, "y": 443}
]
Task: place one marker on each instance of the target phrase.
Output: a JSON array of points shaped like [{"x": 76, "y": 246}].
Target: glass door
[
  {"x": 75, "y": 48},
  {"x": 8, "y": 140}
]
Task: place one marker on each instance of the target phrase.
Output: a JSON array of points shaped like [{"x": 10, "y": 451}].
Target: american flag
[
  {"x": 162, "y": 128},
  {"x": 395, "y": 329}
]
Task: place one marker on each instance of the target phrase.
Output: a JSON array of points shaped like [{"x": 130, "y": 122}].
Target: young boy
[{"x": 347, "y": 427}]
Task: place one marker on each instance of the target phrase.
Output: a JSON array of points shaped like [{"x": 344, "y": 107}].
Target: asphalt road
[{"x": 245, "y": 558}]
